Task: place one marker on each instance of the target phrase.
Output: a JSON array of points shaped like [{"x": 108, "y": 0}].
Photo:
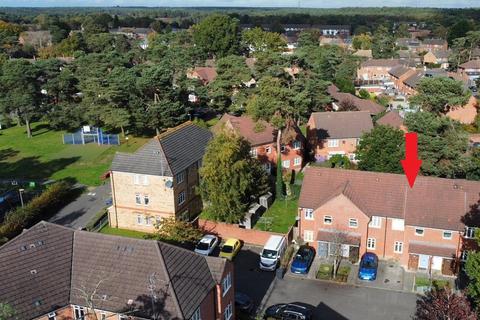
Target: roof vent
[
  {"x": 32, "y": 245},
  {"x": 38, "y": 303},
  {"x": 33, "y": 271},
  {"x": 40, "y": 242},
  {"x": 23, "y": 248},
  {"x": 104, "y": 297},
  {"x": 377, "y": 179}
]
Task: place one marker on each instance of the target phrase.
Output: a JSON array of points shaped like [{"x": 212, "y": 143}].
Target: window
[
  {"x": 158, "y": 220},
  {"x": 286, "y": 163},
  {"x": 228, "y": 312},
  {"x": 122, "y": 317},
  {"x": 103, "y": 316},
  {"x": 398, "y": 224},
  {"x": 196, "y": 315},
  {"x": 464, "y": 255},
  {"x": 180, "y": 177},
  {"x": 297, "y": 144},
  {"x": 267, "y": 166},
  {"x": 253, "y": 152},
  {"x": 333, "y": 143},
  {"x": 136, "y": 179},
  {"x": 308, "y": 214},
  {"x": 469, "y": 232},
  {"x": 181, "y": 197},
  {"x": 146, "y": 200},
  {"x": 139, "y": 219},
  {"x": 138, "y": 199},
  {"x": 447, "y": 235},
  {"x": 327, "y": 220},
  {"x": 371, "y": 243},
  {"x": 145, "y": 180},
  {"x": 357, "y": 141},
  {"x": 353, "y": 223},
  {"x": 282, "y": 148},
  {"x": 419, "y": 232},
  {"x": 148, "y": 220},
  {"x": 79, "y": 313},
  {"x": 52, "y": 316},
  {"x": 308, "y": 236},
  {"x": 398, "y": 247},
  {"x": 376, "y": 222},
  {"x": 268, "y": 150},
  {"x": 297, "y": 161},
  {"x": 226, "y": 283}
]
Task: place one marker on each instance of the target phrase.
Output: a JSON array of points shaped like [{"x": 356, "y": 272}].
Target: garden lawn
[
  {"x": 44, "y": 156},
  {"x": 123, "y": 232},
  {"x": 282, "y": 214}
]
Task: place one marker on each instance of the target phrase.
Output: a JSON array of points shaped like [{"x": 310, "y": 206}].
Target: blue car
[
  {"x": 368, "y": 267},
  {"x": 303, "y": 259}
]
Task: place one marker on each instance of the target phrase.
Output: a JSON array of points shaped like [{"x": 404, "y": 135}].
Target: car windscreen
[
  {"x": 227, "y": 249},
  {"x": 202, "y": 246},
  {"x": 302, "y": 256},
  {"x": 369, "y": 264},
  {"x": 269, "y": 254}
]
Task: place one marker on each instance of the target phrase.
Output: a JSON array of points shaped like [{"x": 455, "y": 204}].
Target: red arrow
[{"x": 411, "y": 164}]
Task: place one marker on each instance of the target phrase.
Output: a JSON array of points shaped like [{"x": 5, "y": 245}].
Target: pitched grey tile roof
[
  {"x": 338, "y": 125},
  {"x": 217, "y": 267},
  {"x": 399, "y": 71},
  {"x": 166, "y": 154},
  {"x": 124, "y": 273},
  {"x": 35, "y": 267}
]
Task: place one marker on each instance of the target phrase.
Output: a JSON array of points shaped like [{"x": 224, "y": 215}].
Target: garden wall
[{"x": 250, "y": 236}]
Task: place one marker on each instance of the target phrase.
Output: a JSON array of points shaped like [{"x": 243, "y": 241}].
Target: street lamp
[{"x": 20, "y": 191}]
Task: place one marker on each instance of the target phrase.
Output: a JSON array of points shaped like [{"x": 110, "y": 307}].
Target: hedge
[{"x": 39, "y": 208}]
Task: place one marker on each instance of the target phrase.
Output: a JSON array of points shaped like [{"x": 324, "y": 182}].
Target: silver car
[{"x": 206, "y": 245}]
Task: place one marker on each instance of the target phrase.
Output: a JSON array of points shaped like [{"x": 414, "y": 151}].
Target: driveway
[
  {"x": 390, "y": 276},
  {"x": 78, "y": 213},
  {"x": 333, "y": 301}
]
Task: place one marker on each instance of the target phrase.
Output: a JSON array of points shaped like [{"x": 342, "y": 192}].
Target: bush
[
  {"x": 287, "y": 256},
  {"x": 342, "y": 273},
  {"x": 53, "y": 198},
  {"x": 325, "y": 272}
]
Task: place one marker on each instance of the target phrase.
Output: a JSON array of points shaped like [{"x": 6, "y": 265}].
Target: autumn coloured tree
[{"x": 443, "y": 304}]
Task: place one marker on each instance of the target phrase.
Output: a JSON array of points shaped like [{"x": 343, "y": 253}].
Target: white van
[{"x": 272, "y": 252}]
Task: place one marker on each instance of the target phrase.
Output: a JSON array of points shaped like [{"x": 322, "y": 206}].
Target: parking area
[{"x": 390, "y": 276}]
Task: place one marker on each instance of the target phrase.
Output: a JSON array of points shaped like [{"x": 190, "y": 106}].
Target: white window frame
[
  {"x": 268, "y": 150},
  {"x": 80, "y": 310},
  {"x": 286, "y": 164},
  {"x": 355, "y": 223},
  {"x": 398, "y": 224},
  {"x": 371, "y": 243},
  {"x": 180, "y": 177},
  {"x": 226, "y": 284},
  {"x": 253, "y": 152},
  {"x": 139, "y": 219},
  {"x": 136, "y": 179},
  {"x": 327, "y": 218},
  {"x": 376, "y": 222},
  {"x": 308, "y": 214},
  {"x": 283, "y": 148},
  {"x": 148, "y": 220},
  {"x": 308, "y": 236},
  {"x": 296, "y": 145},
  {"x": 398, "y": 247},
  {"x": 197, "y": 315},
  {"x": 421, "y": 234},
  {"x": 181, "y": 198},
  {"x": 146, "y": 181},
  {"x": 227, "y": 314},
  {"x": 447, "y": 238},
  {"x": 52, "y": 316},
  {"x": 333, "y": 143},
  {"x": 103, "y": 316},
  {"x": 138, "y": 198},
  {"x": 469, "y": 232},
  {"x": 297, "y": 161},
  {"x": 464, "y": 255},
  {"x": 146, "y": 199}
]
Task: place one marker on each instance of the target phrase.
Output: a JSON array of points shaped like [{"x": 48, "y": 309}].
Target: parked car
[
  {"x": 272, "y": 252},
  {"x": 288, "y": 311},
  {"x": 230, "y": 248},
  {"x": 368, "y": 267},
  {"x": 244, "y": 303},
  {"x": 303, "y": 259},
  {"x": 206, "y": 245}
]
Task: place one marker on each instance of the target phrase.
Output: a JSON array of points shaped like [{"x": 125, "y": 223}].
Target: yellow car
[{"x": 230, "y": 249}]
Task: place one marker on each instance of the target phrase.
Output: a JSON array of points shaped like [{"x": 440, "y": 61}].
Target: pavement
[
  {"x": 332, "y": 301},
  {"x": 390, "y": 276},
  {"x": 78, "y": 213}
]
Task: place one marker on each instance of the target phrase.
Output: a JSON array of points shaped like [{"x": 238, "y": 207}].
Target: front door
[
  {"x": 423, "y": 261},
  {"x": 322, "y": 249},
  {"x": 437, "y": 263},
  {"x": 345, "y": 250}
]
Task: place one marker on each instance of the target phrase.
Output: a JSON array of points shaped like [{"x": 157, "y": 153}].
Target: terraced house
[
  {"x": 428, "y": 227},
  {"x": 158, "y": 180},
  {"x": 50, "y": 272}
]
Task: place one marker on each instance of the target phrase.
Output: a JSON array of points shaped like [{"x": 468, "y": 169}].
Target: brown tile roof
[
  {"x": 382, "y": 63},
  {"x": 360, "y": 104},
  {"x": 431, "y": 249},
  {"x": 399, "y": 71},
  {"x": 472, "y": 64},
  {"x": 391, "y": 118},
  {"x": 433, "y": 202},
  {"x": 245, "y": 126},
  {"x": 125, "y": 271},
  {"x": 206, "y": 74},
  {"x": 338, "y": 125},
  {"x": 363, "y": 53},
  {"x": 434, "y": 42}
]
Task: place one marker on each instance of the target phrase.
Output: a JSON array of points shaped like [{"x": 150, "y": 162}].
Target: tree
[
  {"x": 362, "y": 42},
  {"x": 459, "y": 30},
  {"x": 364, "y": 94},
  {"x": 171, "y": 229},
  {"x": 308, "y": 38},
  {"x": 340, "y": 161},
  {"x": 230, "y": 178},
  {"x": 402, "y": 31},
  {"x": 383, "y": 45},
  {"x": 381, "y": 150},
  {"x": 257, "y": 40},
  {"x": 472, "y": 269},
  {"x": 217, "y": 35},
  {"x": 443, "y": 304},
  {"x": 439, "y": 94},
  {"x": 6, "y": 311}
]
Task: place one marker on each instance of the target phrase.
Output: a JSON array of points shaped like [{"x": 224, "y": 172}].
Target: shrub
[
  {"x": 53, "y": 198},
  {"x": 342, "y": 273},
  {"x": 287, "y": 256},
  {"x": 94, "y": 222},
  {"x": 325, "y": 272}
]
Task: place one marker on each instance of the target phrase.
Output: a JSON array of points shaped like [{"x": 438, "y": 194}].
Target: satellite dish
[{"x": 169, "y": 184}]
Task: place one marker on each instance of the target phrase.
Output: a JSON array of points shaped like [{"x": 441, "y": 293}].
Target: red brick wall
[
  {"x": 229, "y": 297},
  {"x": 207, "y": 308},
  {"x": 289, "y": 154},
  {"x": 224, "y": 230}
]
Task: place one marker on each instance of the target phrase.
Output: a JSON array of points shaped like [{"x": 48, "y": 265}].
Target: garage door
[{"x": 322, "y": 249}]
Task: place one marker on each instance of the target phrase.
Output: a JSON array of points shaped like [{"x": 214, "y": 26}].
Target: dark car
[
  {"x": 303, "y": 259},
  {"x": 368, "y": 267},
  {"x": 288, "y": 311},
  {"x": 243, "y": 303}
]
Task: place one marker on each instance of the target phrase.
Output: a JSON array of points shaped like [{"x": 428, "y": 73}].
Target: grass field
[
  {"x": 44, "y": 156},
  {"x": 124, "y": 233}
]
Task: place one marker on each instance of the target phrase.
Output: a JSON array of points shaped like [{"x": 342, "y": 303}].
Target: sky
[{"x": 244, "y": 3}]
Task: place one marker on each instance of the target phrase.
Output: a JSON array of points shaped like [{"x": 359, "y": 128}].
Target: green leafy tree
[
  {"x": 230, "y": 178},
  {"x": 217, "y": 35},
  {"x": 308, "y": 38},
  {"x": 472, "y": 269},
  {"x": 381, "y": 150},
  {"x": 383, "y": 45},
  {"x": 258, "y": 40},
  {"x": 364, "y": 94},
  {"x": 362, "y": 41},
  {"x": 340, "y": 161},
  {"x": 6, "y": 311},
  {"x": 459, "y": 29},
  {"x": 96, "y": 23},
  {"x": 175, "y": 230},
  {"x": 439, "y": 94},
  {"x": 402, "y": 31}
]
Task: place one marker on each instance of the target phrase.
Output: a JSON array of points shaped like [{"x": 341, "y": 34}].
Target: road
[{"x": 78, "y": 213}]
